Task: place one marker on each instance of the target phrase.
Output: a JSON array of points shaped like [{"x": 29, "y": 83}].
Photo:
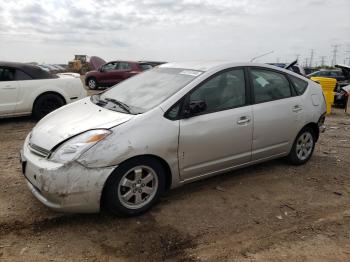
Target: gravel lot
[{"x": 272, "y": 211}]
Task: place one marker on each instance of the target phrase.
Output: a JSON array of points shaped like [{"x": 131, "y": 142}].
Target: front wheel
[
  {"x": 92, "y": 83},
  {"x": 134, "y": 187},
  {"x": 303, "y": 147}
]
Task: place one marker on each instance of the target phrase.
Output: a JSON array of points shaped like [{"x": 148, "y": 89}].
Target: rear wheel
[
  {"x": 92, "y": 83},
  {"x": 45, "y": 104},
  {"x": 134, "y": 186},
  {"x": 303, "y": 147}
]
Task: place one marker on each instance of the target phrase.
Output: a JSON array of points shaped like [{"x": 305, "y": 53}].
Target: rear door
[
  {"x": 8, "y": 91},
  {"x": 277, "y": 112},
  {"x": 124, "y": 71},
  {"x": 219, "y": 137}
]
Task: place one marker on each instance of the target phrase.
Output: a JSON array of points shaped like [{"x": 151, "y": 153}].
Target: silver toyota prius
[{"x": 171, "y": 125}]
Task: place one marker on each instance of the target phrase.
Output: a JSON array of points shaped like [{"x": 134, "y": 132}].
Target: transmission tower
[
  {"x": 348, "y": 57},
  {"x": 323, "y": 60},
  {"x": 311, "y": 57},
  {"x": 334, "y": 52}
]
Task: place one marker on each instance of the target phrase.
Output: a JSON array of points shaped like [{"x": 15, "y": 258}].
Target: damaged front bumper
[{"x": 64, "y": 187}]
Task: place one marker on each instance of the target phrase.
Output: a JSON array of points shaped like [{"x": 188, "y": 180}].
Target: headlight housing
[{"x": 74, "y": 147}]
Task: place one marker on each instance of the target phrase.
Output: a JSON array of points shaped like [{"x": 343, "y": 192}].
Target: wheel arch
[
  {"x": 90, "y": 77},
  {"x": 166, "y": 166},
  {"x": 47, "y": 93},
  {"x": 314, "y": 127}
]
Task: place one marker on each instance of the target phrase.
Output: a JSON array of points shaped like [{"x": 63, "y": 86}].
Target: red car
[{"x": 114, "y": 72}]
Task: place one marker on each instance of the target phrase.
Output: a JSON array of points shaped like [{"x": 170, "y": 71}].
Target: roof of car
[
  {"x": 208, "y": 65},
  {"x": 34, "y": 71}
]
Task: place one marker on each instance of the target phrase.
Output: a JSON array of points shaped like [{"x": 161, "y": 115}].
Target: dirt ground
[{"x": 272, "y": 211}]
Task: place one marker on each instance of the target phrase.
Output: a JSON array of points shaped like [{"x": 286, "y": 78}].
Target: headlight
[{"x": 76, "y": 146}]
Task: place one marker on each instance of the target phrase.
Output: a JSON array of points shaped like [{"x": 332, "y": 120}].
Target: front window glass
[
  {"x": 110, "y": 66},
  {"x": 147, "y": 90},
  {"x": 224, "y": 91},
  {"x": 269, "y": 85}
]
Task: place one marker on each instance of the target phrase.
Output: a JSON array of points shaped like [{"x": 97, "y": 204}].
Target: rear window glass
[
  {"x": 269, "y": 85},
  {"x": 20, "y": 75},
  {"x": 144, "y": 67},
  {"x": 299, "y": 84}
]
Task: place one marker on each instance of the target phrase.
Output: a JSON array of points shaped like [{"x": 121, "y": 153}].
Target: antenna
[{"x": 254, "y": 58}]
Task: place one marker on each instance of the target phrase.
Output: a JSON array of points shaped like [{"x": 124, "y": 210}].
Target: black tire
[
  {"x": 296, "y": 156},
  {"x": 92, "y": 83},
  {"x": 45, "y": 104},
  {"x": 113, "y": 189}
]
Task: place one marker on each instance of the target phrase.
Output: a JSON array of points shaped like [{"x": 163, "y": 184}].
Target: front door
[
  {"x": 108, "y": 73},
  {"x": 219, "y": 137},
  {"x": 8, "y": 91}
]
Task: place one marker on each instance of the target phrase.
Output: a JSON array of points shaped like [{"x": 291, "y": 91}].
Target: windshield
[
  {"x": 147, "y": 90},
  {"x": 316, "y": 73}
]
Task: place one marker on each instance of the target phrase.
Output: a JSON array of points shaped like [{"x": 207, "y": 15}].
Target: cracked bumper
[{"x": 66, "y": 188}]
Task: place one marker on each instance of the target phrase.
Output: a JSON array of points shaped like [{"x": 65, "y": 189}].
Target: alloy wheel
[
  {"x": 304, "y": 145},
  {"x": 137, "y": 187}
]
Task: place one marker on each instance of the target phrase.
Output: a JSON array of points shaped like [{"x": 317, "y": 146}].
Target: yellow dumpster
[{"x": 328, "y": 85}]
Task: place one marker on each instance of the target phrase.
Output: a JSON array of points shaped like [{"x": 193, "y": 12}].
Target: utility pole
[
  {"x": 306, "y": 62},
  {"x": 334, "y": 52},
  {"x": 311, "y": 57},
  {"x": 297, "y": 56},
  {"x": 323, "y": 59}
]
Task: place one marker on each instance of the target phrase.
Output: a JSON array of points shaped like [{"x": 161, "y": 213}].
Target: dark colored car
[
  {"x": 336, "y": 74},
  {"x": 114, "y": 72},
  {"x": 340, "y": 97}
]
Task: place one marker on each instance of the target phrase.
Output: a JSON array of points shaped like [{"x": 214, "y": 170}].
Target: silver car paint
[
  {"x": 220, "y": 141},
  {"x": 74, "y": 119},
  {"x": 190, "y": 154}
]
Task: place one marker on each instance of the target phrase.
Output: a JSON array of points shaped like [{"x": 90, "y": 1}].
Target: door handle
[
  {"x": 243, "y": 120},
  {"x": 297, "y": 108}
]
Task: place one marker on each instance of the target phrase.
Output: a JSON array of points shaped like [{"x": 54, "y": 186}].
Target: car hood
[{"x": 74, "y": 119}]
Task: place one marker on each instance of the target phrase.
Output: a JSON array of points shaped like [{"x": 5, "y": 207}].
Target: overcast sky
[{"x": 173, "y": 30}]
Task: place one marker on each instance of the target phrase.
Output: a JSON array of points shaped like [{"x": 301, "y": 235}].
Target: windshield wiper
[{"x": 122, "y": 105}]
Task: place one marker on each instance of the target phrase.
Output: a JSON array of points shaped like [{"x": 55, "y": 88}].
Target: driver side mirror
[{"x": 194, "y": 107}]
